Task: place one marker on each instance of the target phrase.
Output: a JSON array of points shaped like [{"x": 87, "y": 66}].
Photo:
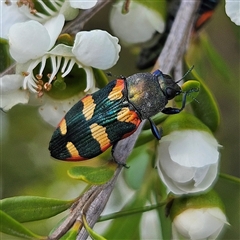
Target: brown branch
[
  {"x": 177, "y": 40},
  {"x": 78, "y": 23}
]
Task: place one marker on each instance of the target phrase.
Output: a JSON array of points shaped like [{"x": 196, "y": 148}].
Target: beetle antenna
[{"x": 191, "y": 68}]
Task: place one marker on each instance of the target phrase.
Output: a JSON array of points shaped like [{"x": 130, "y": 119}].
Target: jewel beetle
[{"x": 101, "y": 119}]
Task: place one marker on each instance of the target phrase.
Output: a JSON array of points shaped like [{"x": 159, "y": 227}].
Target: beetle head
[{"x": 167, "y": 85}]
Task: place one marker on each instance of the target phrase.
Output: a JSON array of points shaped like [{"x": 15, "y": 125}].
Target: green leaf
[
  {"x": 93, "y": 175},
  {"x": 92, "y": 234},
  {"x": 207, "y": 60},
  {"x": 218, "y": 62},
  {"x": 12, "y": 227},
  {"x": 206, "y": 109},
  {"x": 192, "y": 87},
  {"x": 31, "y": 208}
]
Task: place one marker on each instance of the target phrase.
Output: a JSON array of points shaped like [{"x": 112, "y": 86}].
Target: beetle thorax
[{"x": 145, "y": 94}]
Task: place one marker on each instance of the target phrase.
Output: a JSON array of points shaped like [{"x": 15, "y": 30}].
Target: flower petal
[
  {"x": 54, "y": 27},
  {"x": 10, "y": 16},
  {"x": 28, "y": 40},
  {"x": 210, "y": 176},
  {"x": 199, "y": 223},
  {"x": 53, "y": 111},
  {"x": 96, "y": 48},
  {"x": 62, "y": 50},
  {"x": 83, "y": 4},
  {"x": 11, "y": 94},
  {"x": 232, "y": 8},
  {"x": 135, "y": 27},
  {"x": 175, "y": 171},
  {"x": 192, "y": 148}
]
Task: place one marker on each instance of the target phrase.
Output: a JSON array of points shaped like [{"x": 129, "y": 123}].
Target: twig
[
  {"x": 71, "y": 218},
  {"x": 175, "y": 45},
  {"x": 78, "y": 23}
]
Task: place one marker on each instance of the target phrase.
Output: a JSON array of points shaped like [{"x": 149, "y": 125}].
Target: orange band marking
[
  {"x": 126, "y": 115},
  {"x": 116, "y": 92},
  {"x": 63, "y": 126},
  {"x": 99, "y": 133},
  {"x": 72, "y": 150},
  {"x": 88, "y": 107}
]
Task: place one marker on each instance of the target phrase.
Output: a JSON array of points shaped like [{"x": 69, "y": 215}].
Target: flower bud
[
  {"x": 198, "y": 217},
  {"x": 188, "y": 155}
]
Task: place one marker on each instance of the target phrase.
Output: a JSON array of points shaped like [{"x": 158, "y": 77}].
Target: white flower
[
  {"x": 232, "y": 8},
  {"x": 188, "y": 161},
  {"x": 10, "y": 14},
  {"x": 21, "y": 11},
  {"x": 202, "y": 223},
  {"x": 31, "y": 46},
  {"x": 138, "y": 25}
]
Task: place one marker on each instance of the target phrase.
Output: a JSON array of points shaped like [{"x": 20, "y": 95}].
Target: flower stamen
[
  {"x": 49, "y": 75},
  {"x": 38, "y": 76},
  {"x": 29, "y": 80},
  {"x": 47, "y": 86},
  {"x": 29, "y": 4},
  {"x": 43, "y": 64},
  {"x": 56, "y": 61},
  {"x": 69, "y": 68},
  {"x": 39, "y": 88}
]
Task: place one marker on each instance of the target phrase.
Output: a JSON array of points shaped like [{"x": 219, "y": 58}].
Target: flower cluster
[{"x": 50, "y": 66}]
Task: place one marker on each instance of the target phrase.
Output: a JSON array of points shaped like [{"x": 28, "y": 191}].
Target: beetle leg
[
  {"x": 170, "y": 110},
  {"x": 115, "y": 160},
  {"x": 156, "y": 132}
]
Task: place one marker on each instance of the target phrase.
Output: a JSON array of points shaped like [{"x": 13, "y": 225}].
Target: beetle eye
[{"x": 171, "y": 93}]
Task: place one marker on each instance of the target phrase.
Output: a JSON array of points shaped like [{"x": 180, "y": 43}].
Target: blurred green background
[{"x": 27, "y": 169}]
